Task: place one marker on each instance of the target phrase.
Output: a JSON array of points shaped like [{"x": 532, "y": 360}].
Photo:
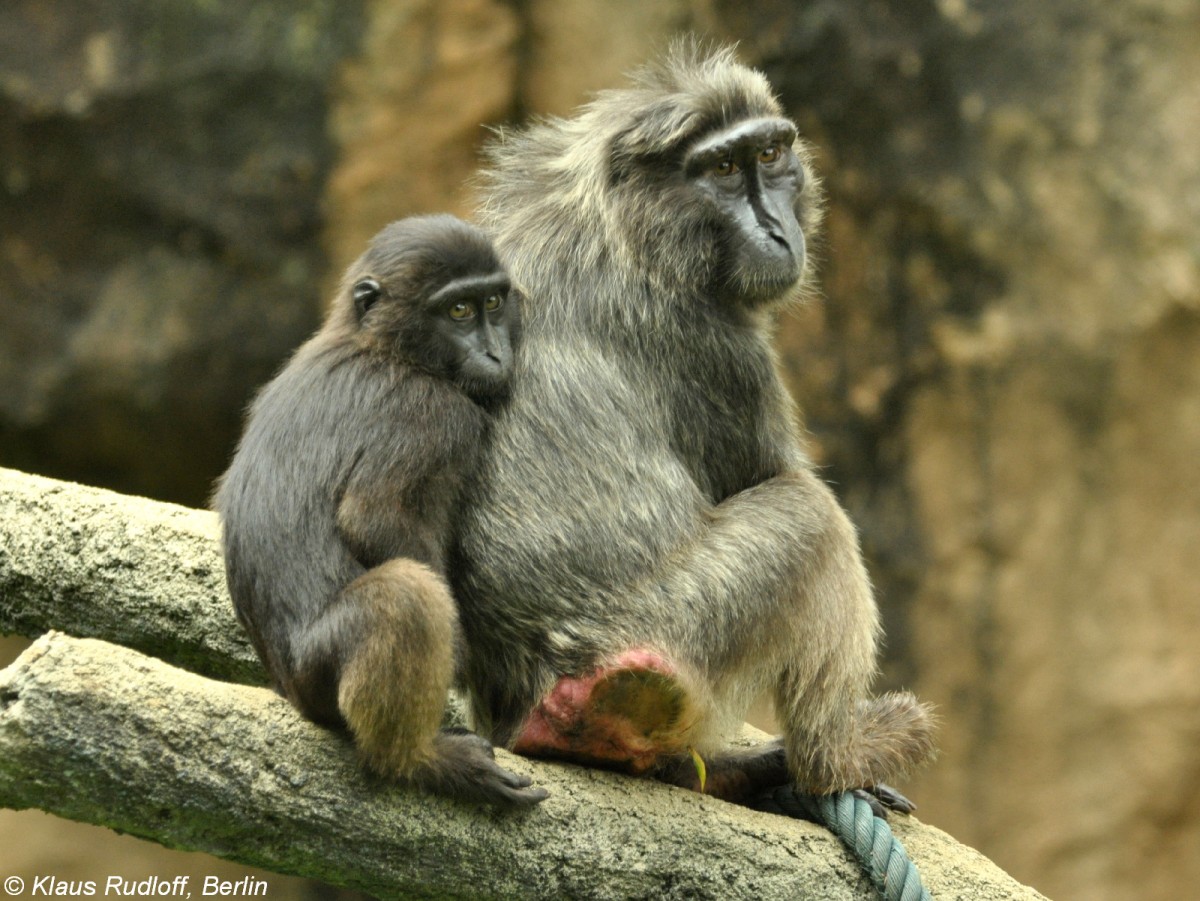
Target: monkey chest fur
[{"x": 718, "y": 404}]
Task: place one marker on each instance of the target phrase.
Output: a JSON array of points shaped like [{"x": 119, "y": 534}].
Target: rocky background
[{"x": 1002, "y": 378}]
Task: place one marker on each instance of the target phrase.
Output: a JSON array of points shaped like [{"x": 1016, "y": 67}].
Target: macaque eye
[
  {"x": 725, "y": 168},
  {"x": 493, "y": 303},
  {"x": 461, "y": 312},
  {"x": 365, "y": 293},
  {"x": 770, "y": 154}
]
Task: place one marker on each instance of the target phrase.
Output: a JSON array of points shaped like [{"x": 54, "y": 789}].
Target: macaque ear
[{"x": 366, "y": 292}]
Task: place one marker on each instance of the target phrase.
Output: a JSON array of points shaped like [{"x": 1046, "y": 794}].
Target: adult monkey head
[
  {"x": 730, "y": 209},
  {"x": 692, "y": 178},
  {"x": 646, "y": 546}
]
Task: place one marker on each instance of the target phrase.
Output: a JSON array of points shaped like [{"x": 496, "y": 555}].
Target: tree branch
[
  {"x": 101, "y": 733},
  {"x": 137, "y": 572}
]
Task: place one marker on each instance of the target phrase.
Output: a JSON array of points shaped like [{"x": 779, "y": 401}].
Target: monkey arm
[
  {"x": 397, "y": 497},
  {"x": 778, "y": 557},
  {"x": 783, "y": 595}
]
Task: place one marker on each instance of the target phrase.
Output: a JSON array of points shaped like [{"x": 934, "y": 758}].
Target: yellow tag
[{"x": 701, "y": 770}]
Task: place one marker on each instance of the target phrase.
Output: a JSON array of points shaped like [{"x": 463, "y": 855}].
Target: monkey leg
[
  {"x": 625, "y": 714},
  {"x": 859, "y": 746},
  {"x": 786, "y": 597},
  {"x": 390, "y": 638}
]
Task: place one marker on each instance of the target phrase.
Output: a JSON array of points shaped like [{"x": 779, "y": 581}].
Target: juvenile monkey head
[{"x": 430, "y": 292}]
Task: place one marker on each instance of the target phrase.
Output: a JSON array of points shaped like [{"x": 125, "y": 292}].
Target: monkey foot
[
  {"x": 883, "y": 798},
  {"x": 624, "y": 714}
]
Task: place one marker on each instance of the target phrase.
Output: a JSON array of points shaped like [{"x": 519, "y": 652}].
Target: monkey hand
[
  {"x": 465, "y": 767},
  {"x": 625, "y": 715}
]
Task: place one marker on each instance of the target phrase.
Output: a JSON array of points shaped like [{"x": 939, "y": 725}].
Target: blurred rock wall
[
  {"x": 163, "y": 168},
  {"x": 1003, "y": 378},
  {"x": 1008, "y": 392}
]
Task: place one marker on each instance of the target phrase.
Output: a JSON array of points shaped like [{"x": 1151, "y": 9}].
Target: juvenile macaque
[{"x": 337, "y": 509}]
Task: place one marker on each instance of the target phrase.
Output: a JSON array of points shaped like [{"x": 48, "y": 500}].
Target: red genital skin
[
  {"x": 624, "y": 715},
  {"x": 634, "y": 714}
]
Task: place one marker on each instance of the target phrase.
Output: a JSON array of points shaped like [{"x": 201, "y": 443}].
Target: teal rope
[{"x": 867, "y": 836}]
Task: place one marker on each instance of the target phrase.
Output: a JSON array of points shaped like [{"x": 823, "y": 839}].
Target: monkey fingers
[
  {"x": 625, "y": 714},
  {"x": 465, "y": 767},
  {"x": 883, "y": 798}
]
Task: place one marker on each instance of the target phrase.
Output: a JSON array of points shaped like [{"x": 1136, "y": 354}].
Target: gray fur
[
  {"x": 646, "y": 485},
  {"x": 336, "y": 509}
]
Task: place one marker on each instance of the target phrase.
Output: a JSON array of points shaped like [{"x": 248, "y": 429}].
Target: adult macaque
[{"x": 645, "y": 547}]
